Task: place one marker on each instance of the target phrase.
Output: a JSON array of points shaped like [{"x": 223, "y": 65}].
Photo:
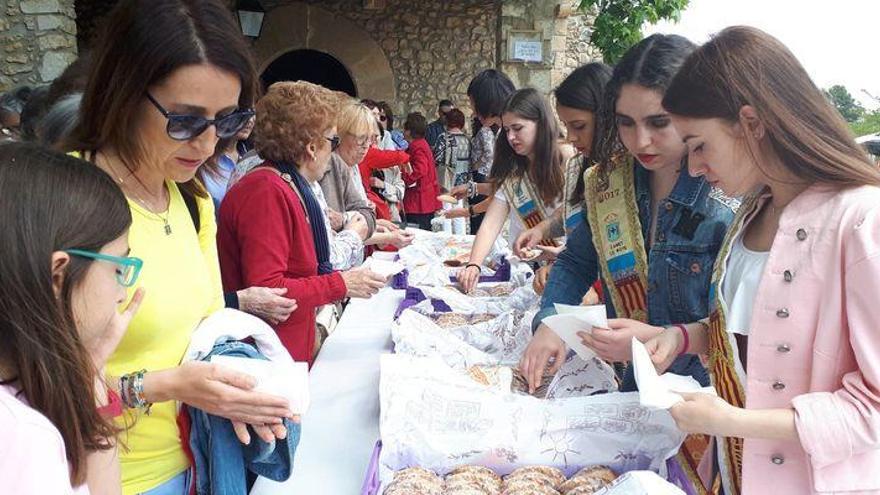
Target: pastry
[
  {"x": 601, "y": 472},
  {"x": 416, "y": 471},
  {"x": 469, "y": 469},
  {"x": 591, "y": 478},
  {"x": 525, "y": 488},
  {"x": 452, "y": 320},
  {"x": 555, "y": 475},
  {"x": 584, "y": 490},
  {"x": 530, "y": 254},
  {"x": 521, "y": 385},
  {"x": 466, "y": 489},
  {"x": 482, "y": 481},
  {"x": 532, "y": 477},
  {"x": 413, "y": 486}
]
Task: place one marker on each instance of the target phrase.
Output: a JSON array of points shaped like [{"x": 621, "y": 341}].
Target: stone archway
[
  {"x": 298, "y": 26},
  {"x": 312, "y": 66}
]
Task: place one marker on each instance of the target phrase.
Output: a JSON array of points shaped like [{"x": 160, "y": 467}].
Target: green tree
[
  {"x": 618, "y": 24},
  {"x": 869, "y": 124},
  {"x": 848, "y": 107}
]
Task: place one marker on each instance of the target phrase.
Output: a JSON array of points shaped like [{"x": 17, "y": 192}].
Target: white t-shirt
[
  {"x": 740, "y": 285},
  {"x": 32, "y": 454},
  {"x": 515, "y": 227}
]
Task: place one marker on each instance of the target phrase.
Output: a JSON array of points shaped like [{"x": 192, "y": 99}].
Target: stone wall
[
  {"x": 38, "y": 39},
  {"x": 578, "y": 50},
  {"x": 565, "y": 32},
  {"x": 434, "y": 47}
]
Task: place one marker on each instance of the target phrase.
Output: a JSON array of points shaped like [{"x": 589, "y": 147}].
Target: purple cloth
[
  {"x": 371, "y": 481},
  {"x": 502, "y": 274}
]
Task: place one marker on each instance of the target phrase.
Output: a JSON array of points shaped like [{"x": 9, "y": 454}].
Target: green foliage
[
  {"x": 618, "y": 25},
  {"x": 848, "y": 107},
  {"x": 868, "y": 124}
]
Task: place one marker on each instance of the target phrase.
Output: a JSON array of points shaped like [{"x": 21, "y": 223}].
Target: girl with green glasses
[{"x": 63, "y": 276}]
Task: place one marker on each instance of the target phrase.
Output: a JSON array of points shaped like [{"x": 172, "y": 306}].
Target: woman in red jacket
[
  {"x": 377, "y": 159},
  {"x": 420, "y": 201},
  {"x": 271, "y": 226}
]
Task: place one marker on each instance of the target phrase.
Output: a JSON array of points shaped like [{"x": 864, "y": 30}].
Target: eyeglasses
[
  {"x": 185, "y": 127},
  {"x": 128, "y": 268},
  {"x": 365, "y": 139},
  {"x": 334, "y": 142}
]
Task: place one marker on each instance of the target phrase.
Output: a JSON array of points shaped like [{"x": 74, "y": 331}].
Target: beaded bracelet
[{"x": 131, "y": 388}]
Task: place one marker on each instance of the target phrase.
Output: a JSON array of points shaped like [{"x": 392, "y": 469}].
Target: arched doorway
[
  {"x": 310, "y": 65},
  {"x": 300, "y": 26}
]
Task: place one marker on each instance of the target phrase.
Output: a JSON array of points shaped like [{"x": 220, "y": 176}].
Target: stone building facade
[
  {"x": 411, "y": 53},
  {"x": 38, "y": 39}
]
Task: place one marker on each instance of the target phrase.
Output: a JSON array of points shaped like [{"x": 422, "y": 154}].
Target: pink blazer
[{"x": 814, "y": 345}]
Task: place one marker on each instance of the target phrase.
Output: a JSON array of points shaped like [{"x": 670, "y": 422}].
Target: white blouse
[{"x": 741, "y": 280}]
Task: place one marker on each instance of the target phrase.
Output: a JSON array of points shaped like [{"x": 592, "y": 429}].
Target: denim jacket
[
  {"x": 691, "y": 224},
  {"x": 221, "y": 460}
]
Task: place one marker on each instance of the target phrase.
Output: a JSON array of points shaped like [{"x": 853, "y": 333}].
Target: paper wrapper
[
  {"x": 425, "y": 257},
  {"x": 640, "y": 483},
  {"x": 438, "y": 418},
  {"x": 501, "y": 340},
  {"x": 523, "y": 298}
]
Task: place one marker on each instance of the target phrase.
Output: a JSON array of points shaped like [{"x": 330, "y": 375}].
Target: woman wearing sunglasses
[
  {"x": 64, "y": 272},
  {"x": 272, "y": 230},
  {"x": 169, "y": 79}
]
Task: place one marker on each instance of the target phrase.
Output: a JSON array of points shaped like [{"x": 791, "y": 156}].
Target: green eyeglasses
[{"x": 128, "y": 268}]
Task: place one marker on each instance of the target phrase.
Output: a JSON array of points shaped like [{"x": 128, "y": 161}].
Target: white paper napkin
[
  {"x": 290, "y": 381},
  {"x": 570, "y": 320},
  {"x": 384, "y": 268},
  {"x": 658, "y": 391}
]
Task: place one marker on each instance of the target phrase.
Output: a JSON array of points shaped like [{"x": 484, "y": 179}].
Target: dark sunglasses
[
  {"x": 186, "y": 127},
  {"x": 334, "y": 142}
]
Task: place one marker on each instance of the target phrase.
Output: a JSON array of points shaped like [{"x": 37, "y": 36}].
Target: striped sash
[
  {"x": 521, "y": 196},
  {"x": 723, "y": 356},
  {"x": 572, "y": 215}
]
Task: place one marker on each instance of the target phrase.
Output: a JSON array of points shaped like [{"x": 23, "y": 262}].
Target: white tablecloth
[{"x": 342, "y": 425}]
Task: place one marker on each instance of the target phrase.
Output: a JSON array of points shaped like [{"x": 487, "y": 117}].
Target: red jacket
[
  {"x": 421, "y": 185},
  {"x": 264, "y": 240},
  {"x": 377, "y": 159}
]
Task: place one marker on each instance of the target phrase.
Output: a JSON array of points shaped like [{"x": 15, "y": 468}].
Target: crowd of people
[{"x": 709, "y": 196}]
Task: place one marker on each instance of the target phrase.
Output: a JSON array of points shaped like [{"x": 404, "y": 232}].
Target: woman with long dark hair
[
  {"x": 63, "y": 273},
  {"x": 577, "y": 103},
  {"x": 792, "y": 339},
  {"x": 168, "y": 79},
  {"x": 650, "y": 232},
  {"x": 527, "y": 174}
]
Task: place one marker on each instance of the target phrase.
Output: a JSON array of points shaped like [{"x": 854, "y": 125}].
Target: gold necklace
[{"x": 146, "y": 205}]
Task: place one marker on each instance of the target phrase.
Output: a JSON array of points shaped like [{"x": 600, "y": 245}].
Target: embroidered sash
[
  {"x": 521, "y": 196},
  {"x": 613, "y": 215},
  {"x": 723, "y": 356},
  {"x": 572, "y": 214}
]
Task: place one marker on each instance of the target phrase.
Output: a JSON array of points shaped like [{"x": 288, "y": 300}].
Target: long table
[{"x": 342, "y": 424}]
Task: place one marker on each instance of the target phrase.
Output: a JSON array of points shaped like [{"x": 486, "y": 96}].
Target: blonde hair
[
  {"x": 356, "y": 119},
  {"x": 290, "y": 116}
]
